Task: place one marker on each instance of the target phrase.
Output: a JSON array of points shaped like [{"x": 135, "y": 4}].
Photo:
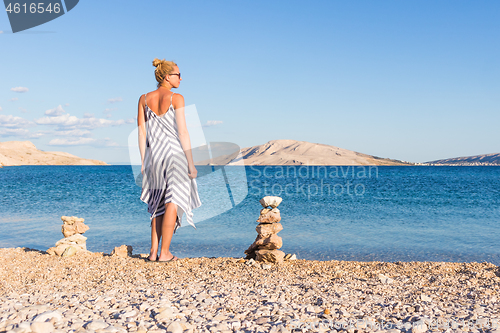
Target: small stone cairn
[
  {"x": 73, "y": 241},
  {"x": 123, "y": 251},
  {"x": 266, "y": 246}
]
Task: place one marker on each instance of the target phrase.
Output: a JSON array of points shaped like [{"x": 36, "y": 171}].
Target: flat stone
[
  {"x": 384, "y": 279},
  {"x": 272, "y": 256},
  {"x": 234, "y": 324},
  {"x": 142, "y": 329},
  {"x": 272, "y": 201},
  {"x": 24, "y": 327},
  {"x": 268, "y": 229},
  {"x": 128, "y": 314},
  {"x": 68, "y": 230},
  {"x": 96, "y": 325},
  {"x": 272, "y": 242},
  {"x": 80, "y": 228},
  {"x": 165, "y": 314},
  {"x": 57, "y": 250},
  {"x": 42, "y": 327},
  {"x": 425, "y": 298},
  {"x": 69, "y": 251},
  {"x": 174, "y": 327},
  {"x": 76, "y": 239},
  {"x": 269, "y": 217},
  {"x": 70, "y": 219},
  {"x": 264, "y": 210},
  {"x": 48, "y": 315},
  {"x": 249, "y": 262}
]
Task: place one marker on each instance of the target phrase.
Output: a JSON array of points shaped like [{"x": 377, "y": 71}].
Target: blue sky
[{"x": 411, "y": 80}]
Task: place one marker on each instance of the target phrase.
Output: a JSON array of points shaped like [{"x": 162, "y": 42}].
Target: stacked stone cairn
[
  {"x": 73, "y": 241},
  {"x": 266, "y": 246}
]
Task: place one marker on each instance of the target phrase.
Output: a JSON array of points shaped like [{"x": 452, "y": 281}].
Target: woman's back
[{"x": 158, "y": 101}]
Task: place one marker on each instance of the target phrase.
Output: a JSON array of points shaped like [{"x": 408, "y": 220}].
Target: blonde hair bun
[
  {"x": 163, "y": 68},
  {"x": 157, "y": 62}
]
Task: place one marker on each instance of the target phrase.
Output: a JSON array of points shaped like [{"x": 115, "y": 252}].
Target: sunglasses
[{"x": 179, "y": 74}]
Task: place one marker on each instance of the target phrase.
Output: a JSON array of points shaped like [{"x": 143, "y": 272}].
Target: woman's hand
[{"x": 192, "y": 172}]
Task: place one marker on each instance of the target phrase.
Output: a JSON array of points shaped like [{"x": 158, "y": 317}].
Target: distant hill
[
  {"x": 486, "y": 159},
  {"x": 292, "y": 152},
  {"x": 25, "y": 153}
]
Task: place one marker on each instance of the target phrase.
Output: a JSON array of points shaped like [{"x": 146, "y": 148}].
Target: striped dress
[{"x": 165, "y": 178}]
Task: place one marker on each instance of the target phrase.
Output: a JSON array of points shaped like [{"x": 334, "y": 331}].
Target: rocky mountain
[
  {"x": 25, "y": 153},
  {"x": 292, "y": 152},
  {"x": 485, "y": 159}
]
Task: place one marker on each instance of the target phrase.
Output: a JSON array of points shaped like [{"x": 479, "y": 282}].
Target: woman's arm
[
  {"x": 180, "y": 119},
  {"x": 141, "y": 124}
]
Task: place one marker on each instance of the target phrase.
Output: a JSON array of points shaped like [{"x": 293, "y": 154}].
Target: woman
[{"x": 169, "y": 186}]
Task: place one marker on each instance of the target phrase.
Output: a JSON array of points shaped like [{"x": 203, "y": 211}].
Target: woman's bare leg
[
  {"x": 167, "y": 230},
  {"x": 155, "y": 236}
]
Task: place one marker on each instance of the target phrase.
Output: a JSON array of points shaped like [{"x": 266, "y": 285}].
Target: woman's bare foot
[
  {"x": 168, "y": 257},
  {"x": 174, "y": 258},
  {"x": 152, "y": 256}
]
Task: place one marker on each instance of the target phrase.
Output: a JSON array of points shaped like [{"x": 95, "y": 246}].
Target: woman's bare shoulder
[
  {"x": 149, "y": 94},
  {"x": 177, "y": 101},
  {"x": 178, "y": 96},
  {"x": 142, "y": 98}
]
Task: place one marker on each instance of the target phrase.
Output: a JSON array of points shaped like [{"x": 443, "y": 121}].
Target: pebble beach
[{"x": 97, "y": 292}]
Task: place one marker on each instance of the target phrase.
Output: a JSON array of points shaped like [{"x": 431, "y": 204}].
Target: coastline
[{"x": 95, "y": 292}]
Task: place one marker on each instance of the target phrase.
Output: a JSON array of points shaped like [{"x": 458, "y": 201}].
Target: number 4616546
[{"x": 33, "y": 8}]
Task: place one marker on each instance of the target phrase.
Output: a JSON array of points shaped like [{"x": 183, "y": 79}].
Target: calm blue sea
[{"x": 347, "y": 213}]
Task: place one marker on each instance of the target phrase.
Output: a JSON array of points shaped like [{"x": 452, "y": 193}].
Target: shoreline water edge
[{"x": 97, "y": 292}]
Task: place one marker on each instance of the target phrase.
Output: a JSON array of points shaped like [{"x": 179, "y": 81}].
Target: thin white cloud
[
  {"x": 11, "y": 121},
  {"x": 20, "y": 89},
  {"x": 23, "y": 110},
  {"x": 72, "y": 142},
  {"x": 108, "y": 112},
  {"x": 212, "y": 123},
  {"x": 110, "y": 143},
  {"x": 1, "y": 108},
  {"x": 106, "y": 142},
  {"x": 14, "y": 99},
  {"x": 1, "y": 32},
  {"x": 72, "y": 122},
  {"x": 67, "y": 104},
  {"x": 130, "y": 121},
  {"x": 4, "y": 132},
  {"x": 74, "y": 132},
  {"x": 55, "y": 111},
  {"x": 115, "y": 100}
]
